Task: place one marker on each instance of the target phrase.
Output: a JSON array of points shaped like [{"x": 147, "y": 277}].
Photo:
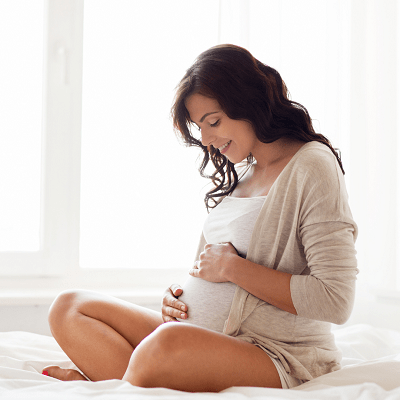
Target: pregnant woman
[{"x": 276, "y": 261}]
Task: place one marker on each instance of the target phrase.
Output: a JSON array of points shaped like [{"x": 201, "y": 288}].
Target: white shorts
[{"x": 287, "y": 380}]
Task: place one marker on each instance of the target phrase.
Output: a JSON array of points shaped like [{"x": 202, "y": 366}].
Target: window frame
[
  {"x": 60, "y": 139},
  {"x": 56, "y": 264}
]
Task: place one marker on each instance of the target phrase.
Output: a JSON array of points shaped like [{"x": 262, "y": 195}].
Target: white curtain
[
  {"x": 374, "y": 143},
  {"x": 340, "y": 59}
]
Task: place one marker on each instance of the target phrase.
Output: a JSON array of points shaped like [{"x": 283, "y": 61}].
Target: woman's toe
[{"x": 63, "y": 374}]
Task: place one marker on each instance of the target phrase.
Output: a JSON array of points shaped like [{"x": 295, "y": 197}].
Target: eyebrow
[{"x": 206, "y": 115}]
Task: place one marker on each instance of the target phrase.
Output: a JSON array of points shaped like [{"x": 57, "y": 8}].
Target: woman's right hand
[{"x": 171, "y": 307}]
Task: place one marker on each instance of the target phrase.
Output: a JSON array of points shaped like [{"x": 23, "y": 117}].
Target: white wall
[
  {"x": 378, "y": 311},
  {"x": 32, "y": 318}
]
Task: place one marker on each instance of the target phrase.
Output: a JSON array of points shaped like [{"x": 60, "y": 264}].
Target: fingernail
[
  {"x": 183, "y": 308},
  {"x": 45, "y": 373},
  {"x": 183, "y": 316}
]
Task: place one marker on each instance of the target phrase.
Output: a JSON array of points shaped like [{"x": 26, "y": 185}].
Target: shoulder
[
  {"x": 313, "y": 177},
  {"x": 316, "y": 159},
  {"x": 316, "y": 165},
  {"x": 320, "y": 185}
]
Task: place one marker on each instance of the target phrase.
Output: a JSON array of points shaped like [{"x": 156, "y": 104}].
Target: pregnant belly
[{"x": 208, "y": 303}]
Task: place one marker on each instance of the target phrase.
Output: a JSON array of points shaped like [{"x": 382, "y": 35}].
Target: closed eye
[{"x": 215, "y": 124}]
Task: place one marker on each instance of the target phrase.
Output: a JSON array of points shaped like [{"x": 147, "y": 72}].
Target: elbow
[
  {"x": 337, "y": 316},
  {"x": 340, "y": 319},
  {"x": 342, "y": 312},
  {"x": 327, "y": 301},
  {"x": 341, "y": 304},
  {"x": 333, "y": 313}
]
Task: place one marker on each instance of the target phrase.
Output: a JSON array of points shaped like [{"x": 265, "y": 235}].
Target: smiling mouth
[{"x": 224, "y": 146}]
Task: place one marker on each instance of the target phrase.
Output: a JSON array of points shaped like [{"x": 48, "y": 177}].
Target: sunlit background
[
  {"x": 140, "y": 189},
  {"x": 141, "y": 197},
  {"x": 21, "y": 90}
]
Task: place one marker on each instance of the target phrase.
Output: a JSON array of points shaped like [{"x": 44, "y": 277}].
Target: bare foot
[{"x": 63, "y": 374}]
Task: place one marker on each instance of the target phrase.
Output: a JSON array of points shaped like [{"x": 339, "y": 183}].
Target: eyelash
[{"x": 212, "y": 125}]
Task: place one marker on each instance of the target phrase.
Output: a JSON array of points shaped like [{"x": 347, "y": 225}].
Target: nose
[{"x": 207, "y": 137}]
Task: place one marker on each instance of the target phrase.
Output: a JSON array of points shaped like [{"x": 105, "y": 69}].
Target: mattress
[{"x": 370, "y": 370}]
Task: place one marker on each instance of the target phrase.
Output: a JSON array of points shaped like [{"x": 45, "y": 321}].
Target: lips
[{"x": 224, "y": 148}]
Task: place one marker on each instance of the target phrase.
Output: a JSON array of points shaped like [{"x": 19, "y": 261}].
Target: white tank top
[{"x": 231, "y": 221}]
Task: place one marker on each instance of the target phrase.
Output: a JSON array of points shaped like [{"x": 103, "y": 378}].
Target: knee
[
  {"x": 155, "y": 357},
  {"x": 166, "y": 343},
  {"x": 65, "y": 303}
]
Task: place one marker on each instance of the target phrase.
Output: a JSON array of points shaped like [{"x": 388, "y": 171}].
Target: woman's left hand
[{"x": 213, "y": 262}]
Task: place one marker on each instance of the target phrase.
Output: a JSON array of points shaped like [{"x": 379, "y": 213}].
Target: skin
[{"x": 108, "y": 338}]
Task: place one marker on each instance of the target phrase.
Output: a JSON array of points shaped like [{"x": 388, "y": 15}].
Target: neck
[{"x": 269, "y": 155}]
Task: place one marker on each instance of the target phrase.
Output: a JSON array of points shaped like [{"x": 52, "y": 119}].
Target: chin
[{"x": 236, "y": 160}]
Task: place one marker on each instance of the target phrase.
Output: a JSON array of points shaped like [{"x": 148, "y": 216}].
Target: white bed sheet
[{"x": 371, "y": 371}]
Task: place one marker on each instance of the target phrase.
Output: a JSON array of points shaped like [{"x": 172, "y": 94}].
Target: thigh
[
  {"x": 185, "y": 357},
  {"x": 129, "y": 320}
]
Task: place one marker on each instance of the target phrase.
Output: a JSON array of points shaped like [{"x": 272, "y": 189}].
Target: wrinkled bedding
[{"x": 371, "y": 371}]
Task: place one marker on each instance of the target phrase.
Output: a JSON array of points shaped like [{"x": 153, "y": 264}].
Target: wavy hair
[{"x": 248, "y": 90}]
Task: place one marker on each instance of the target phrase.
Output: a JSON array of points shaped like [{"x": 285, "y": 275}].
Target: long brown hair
[{"x": 246, "y": 89}]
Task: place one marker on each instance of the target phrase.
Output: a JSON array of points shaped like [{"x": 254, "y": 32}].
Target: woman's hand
[
  {"x": 213, "y": 262},
  {"x": 171, "y": 307}
]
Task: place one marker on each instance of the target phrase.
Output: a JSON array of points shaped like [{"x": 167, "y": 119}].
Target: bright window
[
  {"x": 21, "y": 81},
  {"x": 140, "y": 202},
  {"x": 95, "y": 185}
]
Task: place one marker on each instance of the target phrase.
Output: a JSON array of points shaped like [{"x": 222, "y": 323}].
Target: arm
[
  {"x": 326, "y": 294},
  {"x": 265, "y": 283}
]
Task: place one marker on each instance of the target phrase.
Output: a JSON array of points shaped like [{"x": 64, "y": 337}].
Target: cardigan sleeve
[
  {"x": 327, "y": 233},
  {"x": 327, "y": 293}
]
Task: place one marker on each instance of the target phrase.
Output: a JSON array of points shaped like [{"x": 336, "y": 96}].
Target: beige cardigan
[{"x": 305, "y": 227}]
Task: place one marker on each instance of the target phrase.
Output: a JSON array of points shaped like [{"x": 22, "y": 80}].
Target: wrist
[{"x": 230, "y": 262}]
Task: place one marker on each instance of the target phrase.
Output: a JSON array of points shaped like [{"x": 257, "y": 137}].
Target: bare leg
[
  {"x": 185, "y": 357},
  {"x": 98, "y": 333}
]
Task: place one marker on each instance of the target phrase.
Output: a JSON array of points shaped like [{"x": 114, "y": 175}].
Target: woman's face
[{"x": 235, "y": 139}]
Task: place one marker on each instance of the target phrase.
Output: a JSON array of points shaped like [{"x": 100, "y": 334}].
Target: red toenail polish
[{"x": 45, "y": 373}]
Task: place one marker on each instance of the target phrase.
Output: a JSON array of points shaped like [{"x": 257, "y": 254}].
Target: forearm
[{"x": 265, "y": 283}]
